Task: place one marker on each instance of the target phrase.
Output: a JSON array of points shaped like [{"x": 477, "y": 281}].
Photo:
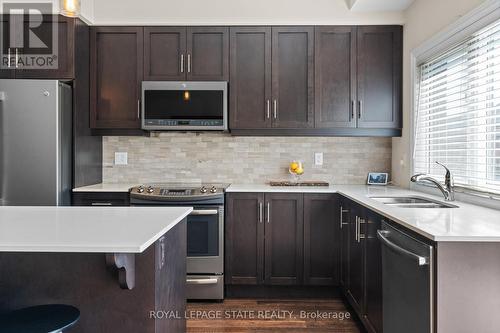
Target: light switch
[
  {"x": 318, "y": 158},
  {"x": 121, "y": 158}
]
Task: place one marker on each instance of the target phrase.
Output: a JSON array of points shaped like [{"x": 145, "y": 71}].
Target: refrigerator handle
[{"x": 2, "y": 100}]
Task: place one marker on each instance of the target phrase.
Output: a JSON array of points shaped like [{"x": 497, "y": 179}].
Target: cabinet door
[
  {"x": 64, "y": 60},
  {"x": 373, "y": 272},
  {"x": 165, "y": 53},
  {"x": 344, "y": 217},
  {"x": 292, "y": 75},
  {"x": 250, "y": 78},
  {"x": 379, "y": 76},
  {"x": 335, "y": 77},
  {"x": 244, "y": 238},
  {"x": 208, "y": 53},
  {"x": 321, "y": 239},
  {"x": 356, "y": 258},
  {"x": 116, "y": 74},
  {"x": 284, "y": 239}
]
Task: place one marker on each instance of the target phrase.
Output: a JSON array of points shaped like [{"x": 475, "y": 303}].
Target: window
[{"x": 457, "y": 119}]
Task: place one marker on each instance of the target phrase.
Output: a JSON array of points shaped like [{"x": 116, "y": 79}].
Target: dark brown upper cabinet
[
  {"x": 64, "y": 50},
  {"x": 116, "y": 58},
  {"x": 164, "y": 53},
  {"x": 271, "y": 77},
  {"x": 292, "y": 77},
  {"x": 335, "y": 76},
  {"x": 250, "y": 81},
  {"x": 379, "y": 50},
  {"x": 321, "y": 239},
  {"x": 207, "y": 53},
  {"x": 192, "y": 53}
]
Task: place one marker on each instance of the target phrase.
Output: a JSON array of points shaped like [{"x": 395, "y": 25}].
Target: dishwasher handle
[{"x": 382, "y": 235}]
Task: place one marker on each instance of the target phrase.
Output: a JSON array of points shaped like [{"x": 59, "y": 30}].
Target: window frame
[{"x": 459, "y": 31}]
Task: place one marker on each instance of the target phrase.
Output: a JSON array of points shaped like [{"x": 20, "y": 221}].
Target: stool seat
[{"x": 40, "y": 319}]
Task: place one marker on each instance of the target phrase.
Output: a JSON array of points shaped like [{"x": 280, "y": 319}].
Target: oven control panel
[{"x": 176, "y": 192}]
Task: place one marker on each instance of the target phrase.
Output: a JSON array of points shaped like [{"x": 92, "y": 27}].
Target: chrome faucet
[{"x": 447, "y": 189}]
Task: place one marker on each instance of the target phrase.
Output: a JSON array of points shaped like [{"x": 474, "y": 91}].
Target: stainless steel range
[{"x": 205, "y": 231}]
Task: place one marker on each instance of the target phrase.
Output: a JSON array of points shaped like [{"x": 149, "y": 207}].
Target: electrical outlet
[
  {"x": 121, "y": 158},
  {"x": 318, "y": 158}
]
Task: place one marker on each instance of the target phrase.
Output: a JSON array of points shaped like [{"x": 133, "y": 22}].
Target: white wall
[
  {"x": 87, "y": 7},
  {"x": 234, "y": 12},
  {"x": 423, "y": 19}
]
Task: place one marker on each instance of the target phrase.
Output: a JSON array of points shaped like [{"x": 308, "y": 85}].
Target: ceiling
[{"x": 378, "y": 5}]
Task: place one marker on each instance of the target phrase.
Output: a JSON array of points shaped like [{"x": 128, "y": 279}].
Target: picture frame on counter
[{"x": 377, "y": 178}]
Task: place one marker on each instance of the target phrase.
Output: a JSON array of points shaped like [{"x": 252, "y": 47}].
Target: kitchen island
[{"x": 118, "y": 265}]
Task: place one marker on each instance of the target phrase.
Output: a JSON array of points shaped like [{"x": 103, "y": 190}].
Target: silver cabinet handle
[
  {"x": 359, "y": 109},
  {"x": 189, "y": 63},
  {"x": 17, "y": 56},
  {"x": 352, "y": 111},
  {"x": 162, "y": 253},
  {"x": 204, "y": 212},
  {"x": 8, "y": 57},
  {"x": 382, "y": 235},
  {"x": 268, "y": 212},
  {"x": 275, "y": 109},
  {"x": 360, "y": 235},
  {"x": 101, "y": 204},
  {"x": 138, "y": 109},
  {"x": 357, "y": 226},
  {"x": 261, "y": 212},
  {"x": 202, "y": 281},
  {"x": 268, "y": 109},
  {"x": 182, "y": 63},
  {"x": 342, "y": 211}
]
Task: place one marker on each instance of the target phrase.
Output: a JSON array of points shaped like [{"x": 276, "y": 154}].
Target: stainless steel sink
[{"x": 412, "y": 202}]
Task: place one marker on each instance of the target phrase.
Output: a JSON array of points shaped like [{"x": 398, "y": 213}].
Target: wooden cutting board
[{"x": 300, "y": 183}]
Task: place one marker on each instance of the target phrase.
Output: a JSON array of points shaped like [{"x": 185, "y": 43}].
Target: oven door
[{"x": 205, "y": 240}]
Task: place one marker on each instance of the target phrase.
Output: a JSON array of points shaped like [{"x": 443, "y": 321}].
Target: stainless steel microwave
[{"x": 184, "y": 106}]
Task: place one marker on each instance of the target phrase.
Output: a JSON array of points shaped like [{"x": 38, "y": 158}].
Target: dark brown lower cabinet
[
  {"x": 100, "y": 199},
  {"x": 356, "y": 258},
  {"x": 282, "y": 239},
  {"x": 321, "y": 239},
  {"x": 244, "y": 238},
  {"x": 373, "y": 273},
  {"x": 361, "y": 263},
  {"x": 344, "y": 243}
]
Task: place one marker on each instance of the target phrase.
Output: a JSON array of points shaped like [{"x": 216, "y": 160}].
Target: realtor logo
[{"x": 29, "y": 36}]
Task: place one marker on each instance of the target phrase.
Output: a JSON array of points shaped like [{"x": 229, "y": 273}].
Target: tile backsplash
[{"x": 217, "y": 157}]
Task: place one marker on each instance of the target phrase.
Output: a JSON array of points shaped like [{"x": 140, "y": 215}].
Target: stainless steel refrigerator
[{"x": 36, "y": 142}]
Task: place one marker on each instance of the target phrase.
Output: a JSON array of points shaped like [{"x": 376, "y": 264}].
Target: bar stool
[{"x": 55, "y": 318}]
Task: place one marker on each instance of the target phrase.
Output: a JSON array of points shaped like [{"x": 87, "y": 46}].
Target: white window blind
[{"x": 457, "y": 119}]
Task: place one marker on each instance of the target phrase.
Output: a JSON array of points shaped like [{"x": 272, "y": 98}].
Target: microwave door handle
[{"x": 205, "y": 212}]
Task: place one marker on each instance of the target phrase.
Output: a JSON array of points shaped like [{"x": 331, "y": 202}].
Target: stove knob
[
  {"x": 150, "y": 189},
  {"x": 213, "y": 189},
  {"x": 203, "y": 189},
  {"x": 140, "y": 189}
]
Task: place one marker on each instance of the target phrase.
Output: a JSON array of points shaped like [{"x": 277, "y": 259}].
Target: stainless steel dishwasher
[{"x": 407, "y": 279}]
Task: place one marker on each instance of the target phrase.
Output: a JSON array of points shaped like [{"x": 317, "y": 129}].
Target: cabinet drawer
[{"x": 101, "y": 199}]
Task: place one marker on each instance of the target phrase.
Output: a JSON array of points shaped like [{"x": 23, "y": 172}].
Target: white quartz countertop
[
  {"x": 106, "y": 187},
  {"x": 85, "y": 229},
  {"x": 466, "y": 223}
]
